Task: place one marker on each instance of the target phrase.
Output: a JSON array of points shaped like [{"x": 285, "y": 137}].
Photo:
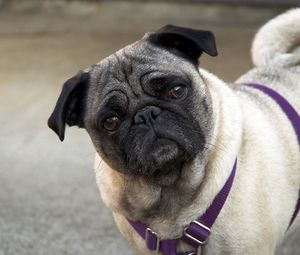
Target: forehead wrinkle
[
  {"x": 128, "y": 66},
  {"x": 144, "y": 58},
  {"x": 109, "y": 67},
  {"x": 147, "y": 73},
  {"x": 163, "y": 73},
  {"x": 112, "y": 93},
  {"x": 123, "y": 70},
  {"x": 103, "y": 101},
  {"x": 102, "y": 75},
  {"x": 118, "y": 72},
  {"x": 143, "y": 62},
  {"x": 130, "y": 77}
]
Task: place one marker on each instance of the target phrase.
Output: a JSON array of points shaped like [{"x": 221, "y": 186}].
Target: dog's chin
[
  {"x": 162, "y": 162},
  {"x": 166, "y": 177}
]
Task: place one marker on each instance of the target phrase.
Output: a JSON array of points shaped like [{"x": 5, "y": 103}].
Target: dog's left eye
[
  {"x": 112, "y": 123},
  {"x": 177, "y": 92}
]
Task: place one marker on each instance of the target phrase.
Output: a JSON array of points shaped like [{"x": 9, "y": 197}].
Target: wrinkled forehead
[{"x": 130, "y": 67}]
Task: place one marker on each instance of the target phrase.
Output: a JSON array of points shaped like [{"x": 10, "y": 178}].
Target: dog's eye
[
  {"x": 177, "y": 92},
  {"x": 112, "y": 123}
]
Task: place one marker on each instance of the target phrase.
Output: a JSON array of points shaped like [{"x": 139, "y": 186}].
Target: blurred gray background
[{"x": 49, "y": 202}]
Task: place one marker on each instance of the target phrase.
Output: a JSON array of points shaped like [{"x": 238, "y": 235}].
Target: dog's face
[{"x": 146, "y": 107}]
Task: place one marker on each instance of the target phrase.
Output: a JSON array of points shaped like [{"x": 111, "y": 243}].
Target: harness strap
[
  {"x": 200, "y": 228},
  {"x": 294, "y": 118},
  {"x": 196, "y": 233}
]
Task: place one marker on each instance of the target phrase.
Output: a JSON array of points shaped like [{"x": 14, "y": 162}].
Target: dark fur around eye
[
  {"x": 115, "y": 106},
  {"x": 159, "y": 86}
]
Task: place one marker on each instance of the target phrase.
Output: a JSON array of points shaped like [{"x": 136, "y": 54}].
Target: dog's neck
[{"x": 168, "y": 209}]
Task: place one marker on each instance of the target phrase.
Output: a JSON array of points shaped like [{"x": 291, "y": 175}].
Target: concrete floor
[{"x": 49, "y": 202}]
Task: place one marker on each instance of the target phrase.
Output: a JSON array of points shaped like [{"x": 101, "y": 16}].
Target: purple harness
[{"x": 197, "y": 232}]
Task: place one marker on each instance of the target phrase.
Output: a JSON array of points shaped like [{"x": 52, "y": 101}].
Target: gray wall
[
  {"x": 248, "y": 2},
  {"x": 235, "y": 2}
]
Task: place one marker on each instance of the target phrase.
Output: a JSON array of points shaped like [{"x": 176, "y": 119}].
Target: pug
[{"x": 187, "y": 163}]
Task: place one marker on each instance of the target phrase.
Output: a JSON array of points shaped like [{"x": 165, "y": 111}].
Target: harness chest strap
[{"x": 196, "y": 233}]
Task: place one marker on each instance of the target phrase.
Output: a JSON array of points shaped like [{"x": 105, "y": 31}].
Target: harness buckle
[
  {"x": 196, "y": 234},
  {"x": 152, "y": 240}
]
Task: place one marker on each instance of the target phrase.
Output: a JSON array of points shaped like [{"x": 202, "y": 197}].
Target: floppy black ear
[
  {"x": 185, "y": 41},
  {"x": 69, "y": 106}
]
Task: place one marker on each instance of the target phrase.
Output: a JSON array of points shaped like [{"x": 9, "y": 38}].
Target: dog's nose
[{"x": 147, "y": 115}]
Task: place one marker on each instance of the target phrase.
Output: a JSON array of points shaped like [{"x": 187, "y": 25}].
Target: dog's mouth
[
  {"x": 164, "y": 151},
  {"x": 158, "y": 158}
]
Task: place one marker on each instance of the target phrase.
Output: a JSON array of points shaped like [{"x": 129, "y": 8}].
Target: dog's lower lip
[{"x": 164, "y": 150}]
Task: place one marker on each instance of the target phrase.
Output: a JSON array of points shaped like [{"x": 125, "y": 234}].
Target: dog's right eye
[
  {"x": 177, "y": 92},
  {"x": 112, "y": 123}
]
